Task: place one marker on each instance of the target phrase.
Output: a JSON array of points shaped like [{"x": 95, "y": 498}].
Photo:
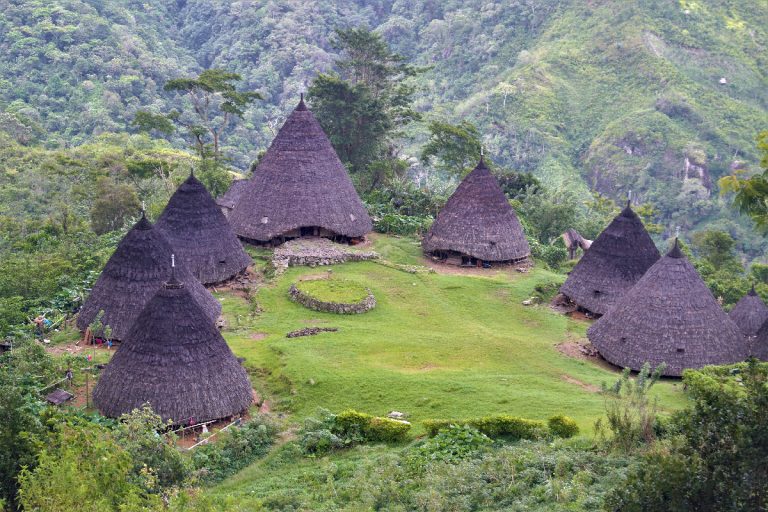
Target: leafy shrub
[
  {"x": 238, "y": 447},
  {"x": 331, "y": 431},
  {"x": 552, "y": 255},
  {"x": 450, "y": 446},
  {"x": 562, "y": 426},
  {"x": 502, "y": 426},
  {"x": 545, "y": 291}
]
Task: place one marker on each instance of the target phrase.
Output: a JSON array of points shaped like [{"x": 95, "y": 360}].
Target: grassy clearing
[
  {"x": 340, "y": 291},
  {"x": 436, "y": 346}
]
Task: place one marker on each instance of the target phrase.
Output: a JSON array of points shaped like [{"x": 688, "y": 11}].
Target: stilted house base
[
  {"x": 305, "y": 232},
  {"x": 464, "y": 260}
]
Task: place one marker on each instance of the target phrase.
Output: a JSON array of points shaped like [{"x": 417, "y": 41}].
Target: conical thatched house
[
  {"x": 134, "y": 273},
  {"x": 671, "y": 317},
  {"x": 175, "y": 359},
  {"x": 750, "y": 313},
  {"x": 229, "y": 199},
  {"x": 200, "y": 234},
  {"x": 759, "y": 348},
  {"x": 299, "y": 188},
  {"x": 477, "y": 224},
  {"x": 612, "y": 265}
]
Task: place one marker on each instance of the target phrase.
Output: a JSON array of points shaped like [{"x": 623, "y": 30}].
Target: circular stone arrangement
[{"x": 333, "y": 296}]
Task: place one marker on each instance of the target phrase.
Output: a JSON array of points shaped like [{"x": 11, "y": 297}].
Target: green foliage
[
  {"x": 501, "y": 426},
  {"x": 140, "y": 433},
  {"x": 334, "y": 431},
  {"x": 452, "y": 149},
  {"x": 630, "y": 411},
  {"x": 363, "y": 106},
  {"x": 114, "y": 204},
  {"x": 450, "y": 445},
  {"x": 234, "y": 450},
  {"x": 21, "y": 424},
  {"x": 751, "y": 193},
  {"x": 717, "y": 462},
  {"x": 84, "y": 468},
  {"x": 369, "y": 428},
  {"x": 562, "y": 426},
  {"x": 715, "y": 247},
  {"x": 216, "y": 104}
]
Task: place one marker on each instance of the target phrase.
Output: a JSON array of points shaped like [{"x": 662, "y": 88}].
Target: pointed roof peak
[
  {"x": 173, "y": 283},
  {"x": 628, "y": 211},
  {"x": 676, "y": 252},
  {"x": 143, "y": 222},
  {"x": 301, "y": 106}
]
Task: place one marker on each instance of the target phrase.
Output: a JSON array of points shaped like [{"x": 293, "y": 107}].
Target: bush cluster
[
  {"x": 509, "y": 427},
  {"x": 562, "y": 426},
  {"x": 236, "y": 449},
  {"x": 335, "y": 431}
]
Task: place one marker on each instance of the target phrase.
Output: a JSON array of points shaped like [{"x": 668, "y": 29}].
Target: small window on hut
[
  {"x": 264, "y": 220},
  {"x": 680, "y": 350},
  {"x": 597, "y": 292},
  {"x": 222, "y": 262},
  {"x": 623, "y": 339}
]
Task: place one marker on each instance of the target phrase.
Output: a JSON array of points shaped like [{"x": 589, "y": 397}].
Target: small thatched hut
[
  {"x": 134, "y": 273},
  {"x": 671, "y": 317},
  {"x": 175, "y": 359},
  {"x": 229, "y": 199},
  {"x": 477, "y": 225},
  {"x": 200, "y": 234},
  {"x": 299, "y": 188},
  {"x": 612, "y": 265},
  {"x": 750, "y": 313}
]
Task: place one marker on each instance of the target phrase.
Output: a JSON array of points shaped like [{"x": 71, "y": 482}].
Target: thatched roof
[
  {"x": 671, "y": 317},
  {"x": 759, "y": 347},
  {"x": 299, "y": 182},
  {"x": 175, "y": 359},
  {"x": 200, "y": 234},
  {"x": 612, "y": 265},
  {"x": 232, "y": 195},
  {"x": 478, "y": 221},
  {"x": 750, "y": 313},
  {"x": 136, "y": 270}
]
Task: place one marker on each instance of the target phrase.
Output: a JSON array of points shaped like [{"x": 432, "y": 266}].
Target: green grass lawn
[
  {"x": 333, "y": 289},
  {"x": 436, "y": 346}
]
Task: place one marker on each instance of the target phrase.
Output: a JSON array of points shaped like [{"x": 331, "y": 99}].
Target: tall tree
[
  {"x": 364, "y": 104},
  {"x": 216, "y": 105},
  {"x": 452, "y": 149}
]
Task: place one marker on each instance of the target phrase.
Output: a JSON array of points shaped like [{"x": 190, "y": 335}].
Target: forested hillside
[{"x": 658, "y": 97}]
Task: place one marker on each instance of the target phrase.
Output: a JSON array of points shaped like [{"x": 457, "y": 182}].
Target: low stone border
[
  {"x": 310, "y": 302},
  {"x": 310, "y": 331},
  {"x": 313, "y": 252}
]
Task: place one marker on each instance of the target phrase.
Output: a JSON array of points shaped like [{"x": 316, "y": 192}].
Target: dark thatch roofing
[
  {"x": 175, "y": 359},
  {"x": 136, "y": 270},
  {"x": 750, "y": 313},
  {"x": 671, "y": 317},
  {"x": 759, "y": 347},
  {"x": 232, "y": 195},
  {"x": 612, "y": 265},
  {"x": 477, "y": 220},
  {"x": 300, "y": 182},
  {"x": 200, "y": 234}
]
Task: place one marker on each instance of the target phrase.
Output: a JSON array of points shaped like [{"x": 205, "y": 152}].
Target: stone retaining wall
[{"x": 310, "y": 302}]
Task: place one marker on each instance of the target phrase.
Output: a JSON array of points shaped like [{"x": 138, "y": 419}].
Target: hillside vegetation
[{"x": 658, "y": 97}]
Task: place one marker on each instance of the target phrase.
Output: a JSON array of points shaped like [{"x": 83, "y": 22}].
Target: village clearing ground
[{"x": 436, "y": 346}]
